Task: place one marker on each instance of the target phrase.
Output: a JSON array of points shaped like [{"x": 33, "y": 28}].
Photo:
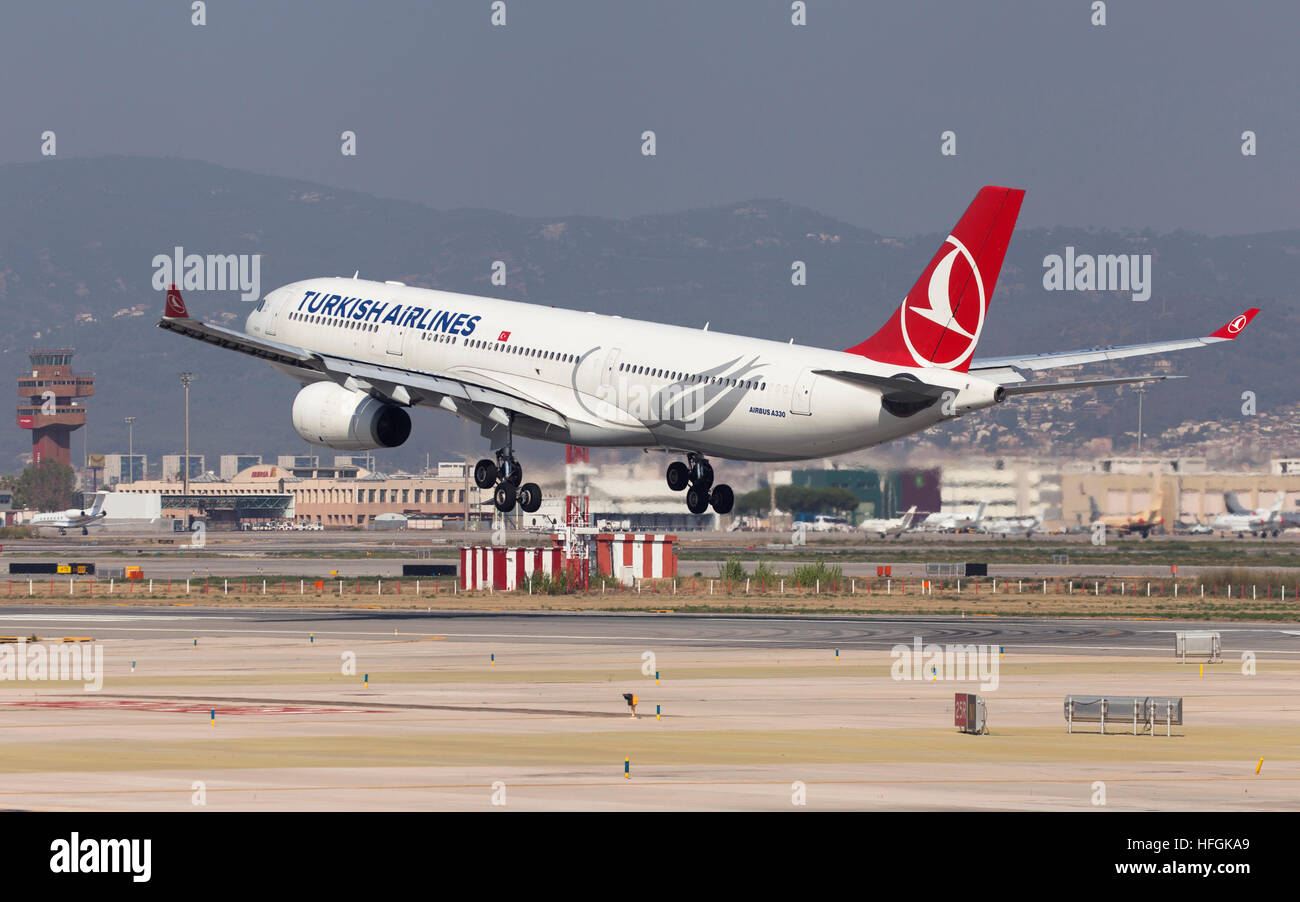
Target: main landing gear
[
  {"x": 507, "y": 476},
  {"x": 696, "y": 476}
]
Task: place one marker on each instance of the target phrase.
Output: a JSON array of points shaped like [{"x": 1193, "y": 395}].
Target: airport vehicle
[
  {"x": 366, "y": 352},
  {"x": 887, "y": 527},
  {"x": 1261, "y": 522},
  {"x": 951, "y": 522},
  {"x": 1143, "y": 522},
  {"x": 74, "y": 518}
]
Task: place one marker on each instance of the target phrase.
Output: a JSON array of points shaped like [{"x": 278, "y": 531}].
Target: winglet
[
  {"x": 175, "y": 307},
  {"x": 1232, "y": 328}
]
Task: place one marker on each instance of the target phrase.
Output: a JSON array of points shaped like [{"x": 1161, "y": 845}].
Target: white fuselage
[
  {"x": 69, "y": 519},
  {"x": 617, "y": 382},
  {"x": 1245, "y": 523}
]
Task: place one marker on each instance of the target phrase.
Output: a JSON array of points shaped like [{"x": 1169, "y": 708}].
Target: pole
[
  {"x": 186, "y": 379},
  {"x": 1140, "y": 392},
  {"x": 130, "y": 448}
]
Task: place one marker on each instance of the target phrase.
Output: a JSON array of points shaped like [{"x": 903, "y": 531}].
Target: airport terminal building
[{"x": 332, "y": 496}]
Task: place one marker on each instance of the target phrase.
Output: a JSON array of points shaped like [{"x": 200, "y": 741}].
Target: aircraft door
[
  {"x": 273, "y": 311},
  {"x": 396, "y": 339},
  {"x": 801, "y": 396}
]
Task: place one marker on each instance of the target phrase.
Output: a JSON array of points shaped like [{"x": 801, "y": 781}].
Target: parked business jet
[
  {"x": 1144, "y": 522},
  {"x": 366, "y": 352},
  {"x": 947, "y": 521},
  {"x": 1285, "y": 519},
  {"x": 887, "y": 527},
  {"x": 73, "y": 518},
  {"x": 1260, "y": 522},
  {"x": 1013, "y": 526}
]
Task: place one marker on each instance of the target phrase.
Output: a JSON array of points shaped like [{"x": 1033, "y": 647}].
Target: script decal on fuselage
[{"x": 371, "y": 311}]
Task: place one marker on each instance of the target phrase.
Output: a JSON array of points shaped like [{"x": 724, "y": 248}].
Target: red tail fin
[
  {"x": 941, "y": 318},
  {"x": 175, "y": 307}
]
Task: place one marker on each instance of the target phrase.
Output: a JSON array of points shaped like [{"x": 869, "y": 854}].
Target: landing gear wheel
[
  {"x": 63, "y": 532},
  {"x": 516, "y": 475},
  {"x": 722, "y": 499},
  {"x": 679, "y": 476},
  {"x": 697, "y": 501},
  {"x": 504, "y": 497},
  {"x": 85, "y": 531},
  {"x": 485, "y": 474},
  {"x": 702, "y": 475},
  {"x": 530, "y": 497}
]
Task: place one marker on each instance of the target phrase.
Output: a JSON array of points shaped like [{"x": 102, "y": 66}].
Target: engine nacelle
[
  {"x": 325, "y": 413},
  {"x": 978, "y": 394}
]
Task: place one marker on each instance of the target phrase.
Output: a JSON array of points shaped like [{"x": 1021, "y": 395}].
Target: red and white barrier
[
  {"x": 631, "y": 556},
  {"x": 506, "y": 569}
]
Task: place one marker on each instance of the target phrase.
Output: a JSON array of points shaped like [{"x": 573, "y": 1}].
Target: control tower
[{"x": 49, "y": 403}]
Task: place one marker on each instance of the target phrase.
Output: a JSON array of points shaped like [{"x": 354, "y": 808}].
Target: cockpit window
[{"x": 260, "y": 305}]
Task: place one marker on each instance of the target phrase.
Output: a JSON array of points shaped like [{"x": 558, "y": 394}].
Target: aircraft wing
[
  {"x": 177, "y": 319},
  {"x": 390, "y": 383},
  {"x": 1007, "y": 370}
]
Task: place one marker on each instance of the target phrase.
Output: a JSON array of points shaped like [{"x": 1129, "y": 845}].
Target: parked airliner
[{"x": 365, "y": 352}]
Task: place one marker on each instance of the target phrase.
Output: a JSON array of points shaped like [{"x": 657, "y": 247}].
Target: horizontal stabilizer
[
  {"x": 903, "y": 387},
  {"x": 1031, "y": 388}
]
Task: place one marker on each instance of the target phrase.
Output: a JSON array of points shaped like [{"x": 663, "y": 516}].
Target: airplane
[
  {"x": 947, "y": 522},
  {"x": 887, "y": 527},
  {"x": 1013, "y": 526},
  {"x": 1234, "y": 506},
  {"x": 366, "y": 352},
  {"x": 1144, "y": 521},
  {"x": 1260, "y": 521},
  {"x": 73, "y": 518}
]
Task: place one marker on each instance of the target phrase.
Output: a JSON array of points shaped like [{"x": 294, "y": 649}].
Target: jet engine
[{"x": 328, "y": 414}]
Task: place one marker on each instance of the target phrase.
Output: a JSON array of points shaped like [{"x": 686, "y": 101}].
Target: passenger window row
[
  {"x": 691, "y": 378},
  {"x": 345, "y": 323},
  {"x": 539, "y": 353}
]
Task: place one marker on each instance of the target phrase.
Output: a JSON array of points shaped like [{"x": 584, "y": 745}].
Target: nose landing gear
[{"x": 696, "y": 476}]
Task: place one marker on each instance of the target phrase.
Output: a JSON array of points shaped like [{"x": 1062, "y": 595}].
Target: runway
[
  {"x": 1021, "y": 635},
  {"x": 446, "y": 711}
]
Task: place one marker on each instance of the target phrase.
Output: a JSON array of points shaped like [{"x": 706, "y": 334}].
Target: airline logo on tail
[
  {"x": 940, "y": 320},
  {"x": 175, "y": 308},
  {"x": 932, "y": 320}
]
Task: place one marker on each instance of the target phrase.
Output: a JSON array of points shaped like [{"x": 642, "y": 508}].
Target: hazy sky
[{"x": 1134, "y": 124}]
